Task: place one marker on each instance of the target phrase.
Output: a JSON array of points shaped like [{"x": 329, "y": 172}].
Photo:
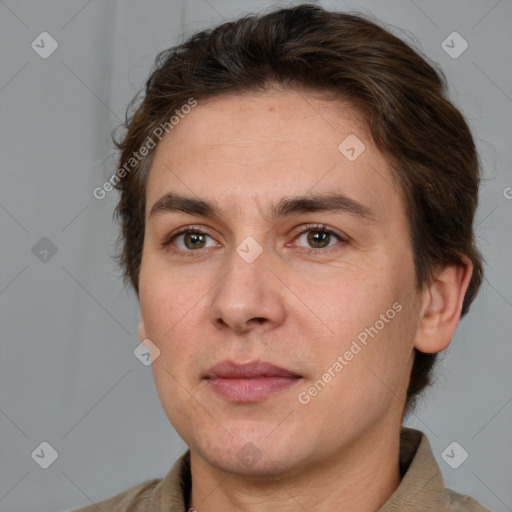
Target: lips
[
  {"x": 249, "y": 382},
  {"x": 231, "y": 370}
]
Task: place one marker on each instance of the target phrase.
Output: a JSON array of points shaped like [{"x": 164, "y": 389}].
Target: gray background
[{"x": 68, "y": 375}]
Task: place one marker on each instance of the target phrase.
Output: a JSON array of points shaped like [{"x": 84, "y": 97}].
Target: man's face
[{"x": 334, "y": 307}]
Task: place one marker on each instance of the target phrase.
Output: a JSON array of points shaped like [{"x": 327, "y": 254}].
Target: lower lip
[{"x": 250, "y": 389}]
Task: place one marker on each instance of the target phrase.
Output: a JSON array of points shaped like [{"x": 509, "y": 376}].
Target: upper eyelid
[{"x": 298, "y": 231}]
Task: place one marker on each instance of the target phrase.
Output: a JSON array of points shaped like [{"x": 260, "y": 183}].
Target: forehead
[{"x": 259, "y": 147}]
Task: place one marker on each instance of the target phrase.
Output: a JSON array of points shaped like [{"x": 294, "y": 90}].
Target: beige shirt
[{"x": 421, "y": 488}]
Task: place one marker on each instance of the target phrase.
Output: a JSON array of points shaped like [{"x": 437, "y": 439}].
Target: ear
[
  {"x": 142, "y": 330},
  {"x": 442, "y": 304}
]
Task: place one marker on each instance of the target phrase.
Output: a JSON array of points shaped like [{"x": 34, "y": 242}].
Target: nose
[{"x": 249, "y": 295}]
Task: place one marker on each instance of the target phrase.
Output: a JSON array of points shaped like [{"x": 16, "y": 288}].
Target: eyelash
[{"x": 309, "y": 227}]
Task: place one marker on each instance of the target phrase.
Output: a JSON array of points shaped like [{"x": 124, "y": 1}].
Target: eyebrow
[{"x": 172, "y": 202}]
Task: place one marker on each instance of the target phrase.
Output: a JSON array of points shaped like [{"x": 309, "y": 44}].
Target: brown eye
[
  {"x": 188, "y": 240},
  {"x": 319, "y": 238},
  {"x": 194, "y": 240}
]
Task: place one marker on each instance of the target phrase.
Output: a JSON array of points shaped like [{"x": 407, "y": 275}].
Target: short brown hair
[{"x": 424, "y": 138}]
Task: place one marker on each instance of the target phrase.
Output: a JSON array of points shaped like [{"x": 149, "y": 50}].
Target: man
[{"x": 297, "y": 202}]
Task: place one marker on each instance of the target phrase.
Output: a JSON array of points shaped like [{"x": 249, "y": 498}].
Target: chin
[
  {"x": 251, "y": 461},
  {"x": 245, "y": 453}
]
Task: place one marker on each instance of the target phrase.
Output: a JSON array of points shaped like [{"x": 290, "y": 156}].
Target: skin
[{"x": 293, "y": 308}]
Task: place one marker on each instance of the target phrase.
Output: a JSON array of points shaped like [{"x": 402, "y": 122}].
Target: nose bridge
[{"x": 248, "y": 290}]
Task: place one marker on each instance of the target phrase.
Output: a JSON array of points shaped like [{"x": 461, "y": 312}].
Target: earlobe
[
  {"x": 442, "y": 306},
  {"x": 142, "y": 330}
]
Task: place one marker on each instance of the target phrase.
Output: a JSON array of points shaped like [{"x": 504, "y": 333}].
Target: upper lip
[{"x": 230, "y": 370}]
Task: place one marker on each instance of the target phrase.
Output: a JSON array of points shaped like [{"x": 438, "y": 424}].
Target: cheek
[
  {"x": 171, "y": 309},
  {"x": 368, "y": 315},
  {"x": 167, "y": 312},
  {"x": 166, "y": 296},
  {"x": 352, "y": 299},
  {"x": 365, "y": 368}
]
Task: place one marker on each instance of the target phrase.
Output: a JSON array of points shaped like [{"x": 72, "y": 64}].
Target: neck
[{"x": 359, "y": 477}]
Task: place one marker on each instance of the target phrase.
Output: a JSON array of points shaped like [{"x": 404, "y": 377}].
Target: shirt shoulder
[
  {"x": 462, "y": 503},
  {"x": 422, "y": 488},
  {"x": 167, "y": 494},
  {"x": 134, "y": 499}
]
